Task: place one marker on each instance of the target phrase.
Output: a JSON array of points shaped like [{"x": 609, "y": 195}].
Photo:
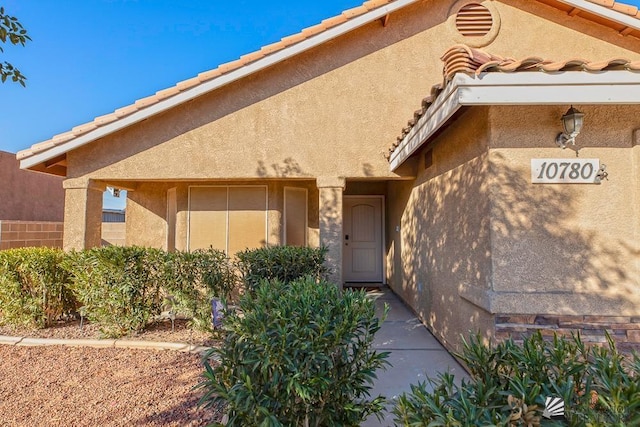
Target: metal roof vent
[{"x": 474, "y": 20}]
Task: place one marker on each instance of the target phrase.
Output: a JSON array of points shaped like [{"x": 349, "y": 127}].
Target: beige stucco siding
[
  {"x": 332, "y": 111},
  {"x": 444, "y": 237},
  {"x": 476, "y": 238},
  {"x": 576, "y": 240},
  {"x": 531, "y": 28}
]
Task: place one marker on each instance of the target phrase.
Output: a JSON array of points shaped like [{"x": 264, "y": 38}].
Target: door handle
[{"x": 346, "y": 237}]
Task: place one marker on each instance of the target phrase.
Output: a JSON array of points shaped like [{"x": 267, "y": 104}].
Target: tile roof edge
[
  {"x": 479, "y": 62},
  {"x": 618, "y": 6},
  {"x": 223, "y": 69}
]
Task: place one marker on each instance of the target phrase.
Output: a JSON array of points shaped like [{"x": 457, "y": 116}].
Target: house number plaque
[{"x": 566, "y": 171}]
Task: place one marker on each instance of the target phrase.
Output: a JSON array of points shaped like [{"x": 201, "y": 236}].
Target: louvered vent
[{"x": 474, "y": 20}]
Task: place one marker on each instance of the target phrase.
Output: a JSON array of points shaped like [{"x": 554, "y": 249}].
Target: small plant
[
  {"x": 510, "y": 384},
  {"x": 33, "y": 287},
  {"x": 192, "y": 279},
  {"x": 118, "y": 287},
  {"x": 283, "y": 263},
  {"x": 299, "y": 355}
]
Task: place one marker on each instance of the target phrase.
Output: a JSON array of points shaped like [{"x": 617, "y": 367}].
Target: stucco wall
[
  {"x": 567, "y": 249},
  {"x": 478, "y": 242},
  {"x": 349, "y": 96},
  {"x": 443, "y": 240},
  {"x": 28, "y": 196}
]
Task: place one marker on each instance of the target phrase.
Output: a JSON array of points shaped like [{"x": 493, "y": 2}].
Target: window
[{"x": 228, "y": 218}]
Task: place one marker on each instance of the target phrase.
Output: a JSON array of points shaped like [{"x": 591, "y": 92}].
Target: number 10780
[{"x": 576, "y": 171}]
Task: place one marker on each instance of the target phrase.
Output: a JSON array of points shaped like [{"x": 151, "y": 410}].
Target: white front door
[{"x": 362, "y": 240}]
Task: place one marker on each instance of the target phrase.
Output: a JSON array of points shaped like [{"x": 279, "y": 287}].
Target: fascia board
[
  {"x": 445, "y": 105},
  {"x": 524, "y": 88},
  {"x": 218, "y": 82},
  {"x": 604, "y": 12}
]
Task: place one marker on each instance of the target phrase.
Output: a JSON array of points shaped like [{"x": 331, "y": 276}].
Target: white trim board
[
  {"x": 604, "y": 12},
  {"x": 523, "y": 88}
]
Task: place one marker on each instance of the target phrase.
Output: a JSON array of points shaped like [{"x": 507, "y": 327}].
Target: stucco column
[
  {"x": 330, "y": 192},
  {"x": 82, "y": 214}
]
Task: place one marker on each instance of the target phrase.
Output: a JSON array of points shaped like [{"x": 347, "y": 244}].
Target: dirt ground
[{"x": 79, "y": 386}]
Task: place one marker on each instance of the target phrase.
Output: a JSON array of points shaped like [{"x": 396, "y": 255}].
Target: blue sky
[{"x": 90, "y": 57}]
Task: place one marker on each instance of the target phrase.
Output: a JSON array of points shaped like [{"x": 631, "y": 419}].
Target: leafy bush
[
  {"x": 194, "y": 278},
  {"x": 300, "y": 354},
  {"x": 282, "y": 263},
  {"x": 33, "y": 287},
  {"x": 119, "y": 287},
  {"x": 510, "y": 384}
]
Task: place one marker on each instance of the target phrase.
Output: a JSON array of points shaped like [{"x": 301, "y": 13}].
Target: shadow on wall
[
  {"x": 287, "y": 169},
  {"x": 483, "y": 225},
  {"x": 547, "y": 239}
]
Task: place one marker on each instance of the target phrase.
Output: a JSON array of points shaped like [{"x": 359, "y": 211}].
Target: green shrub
[
  {"x": 118, "y": 287},
  {"x": 510, "y": 384},
  {"x": 194, "y": 278},
  {"x": 33, "y": 287},
  {"x": 300, "y": 354},
  {"x": 282, "y": 263}
]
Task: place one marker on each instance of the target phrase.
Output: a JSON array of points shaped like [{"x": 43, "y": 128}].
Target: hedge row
[{"x": 124, "y": 288}]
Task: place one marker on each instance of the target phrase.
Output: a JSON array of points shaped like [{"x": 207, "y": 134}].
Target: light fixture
[{"x": 572, "y": 124}]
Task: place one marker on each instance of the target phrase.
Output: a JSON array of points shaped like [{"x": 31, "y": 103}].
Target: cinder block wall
[
  {"x": 113, "y": 233},
  {"x": 19, "y": 234}
]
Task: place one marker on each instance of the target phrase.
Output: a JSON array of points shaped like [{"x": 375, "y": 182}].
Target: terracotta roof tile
[
  {"x": 206, "y": 75},
  {"x": 605, "y": 3},
  {"x": 356, "y": 11},
  {"x": 188, "y": 84},
  {"x": 471, "y": 61},
  {"x": 82, "y": 129},
  {"x": 250, "y": 57},
  {"x": 167, "y": 93},
  {"x": 627, "y": 9},
  {"x": 372, "y": 4},
  {"x": 270, "y": 48},
  {"x": 295, "y": 38},
  {"x": 336, "y": 20},
  {"x": 145, "y": 102},
  {"x": 125, "y": 111},
  {"x": 60, "y": 138},
  {"x": 313, "y": 30},
  {"x": 105, "y": 120}
]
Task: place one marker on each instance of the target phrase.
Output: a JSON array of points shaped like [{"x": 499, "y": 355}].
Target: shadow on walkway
[{"x": 415, "y": 353}]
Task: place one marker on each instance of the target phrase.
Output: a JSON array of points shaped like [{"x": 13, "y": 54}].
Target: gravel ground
[{"x": 80, "y": 386}]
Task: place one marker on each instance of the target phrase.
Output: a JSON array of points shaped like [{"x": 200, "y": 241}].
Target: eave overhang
[
  {"x": 604, "y": 12},
  {"x": 522, "y": 88}
]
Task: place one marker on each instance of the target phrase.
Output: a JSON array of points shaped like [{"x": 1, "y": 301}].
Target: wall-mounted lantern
[{"x": 572, "y": 124}]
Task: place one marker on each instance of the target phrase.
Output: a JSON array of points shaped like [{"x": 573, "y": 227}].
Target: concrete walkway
[{"x": 415, "y": 353}]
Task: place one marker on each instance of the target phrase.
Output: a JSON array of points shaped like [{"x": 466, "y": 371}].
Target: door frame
[{"x": 383, "y": 233}]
